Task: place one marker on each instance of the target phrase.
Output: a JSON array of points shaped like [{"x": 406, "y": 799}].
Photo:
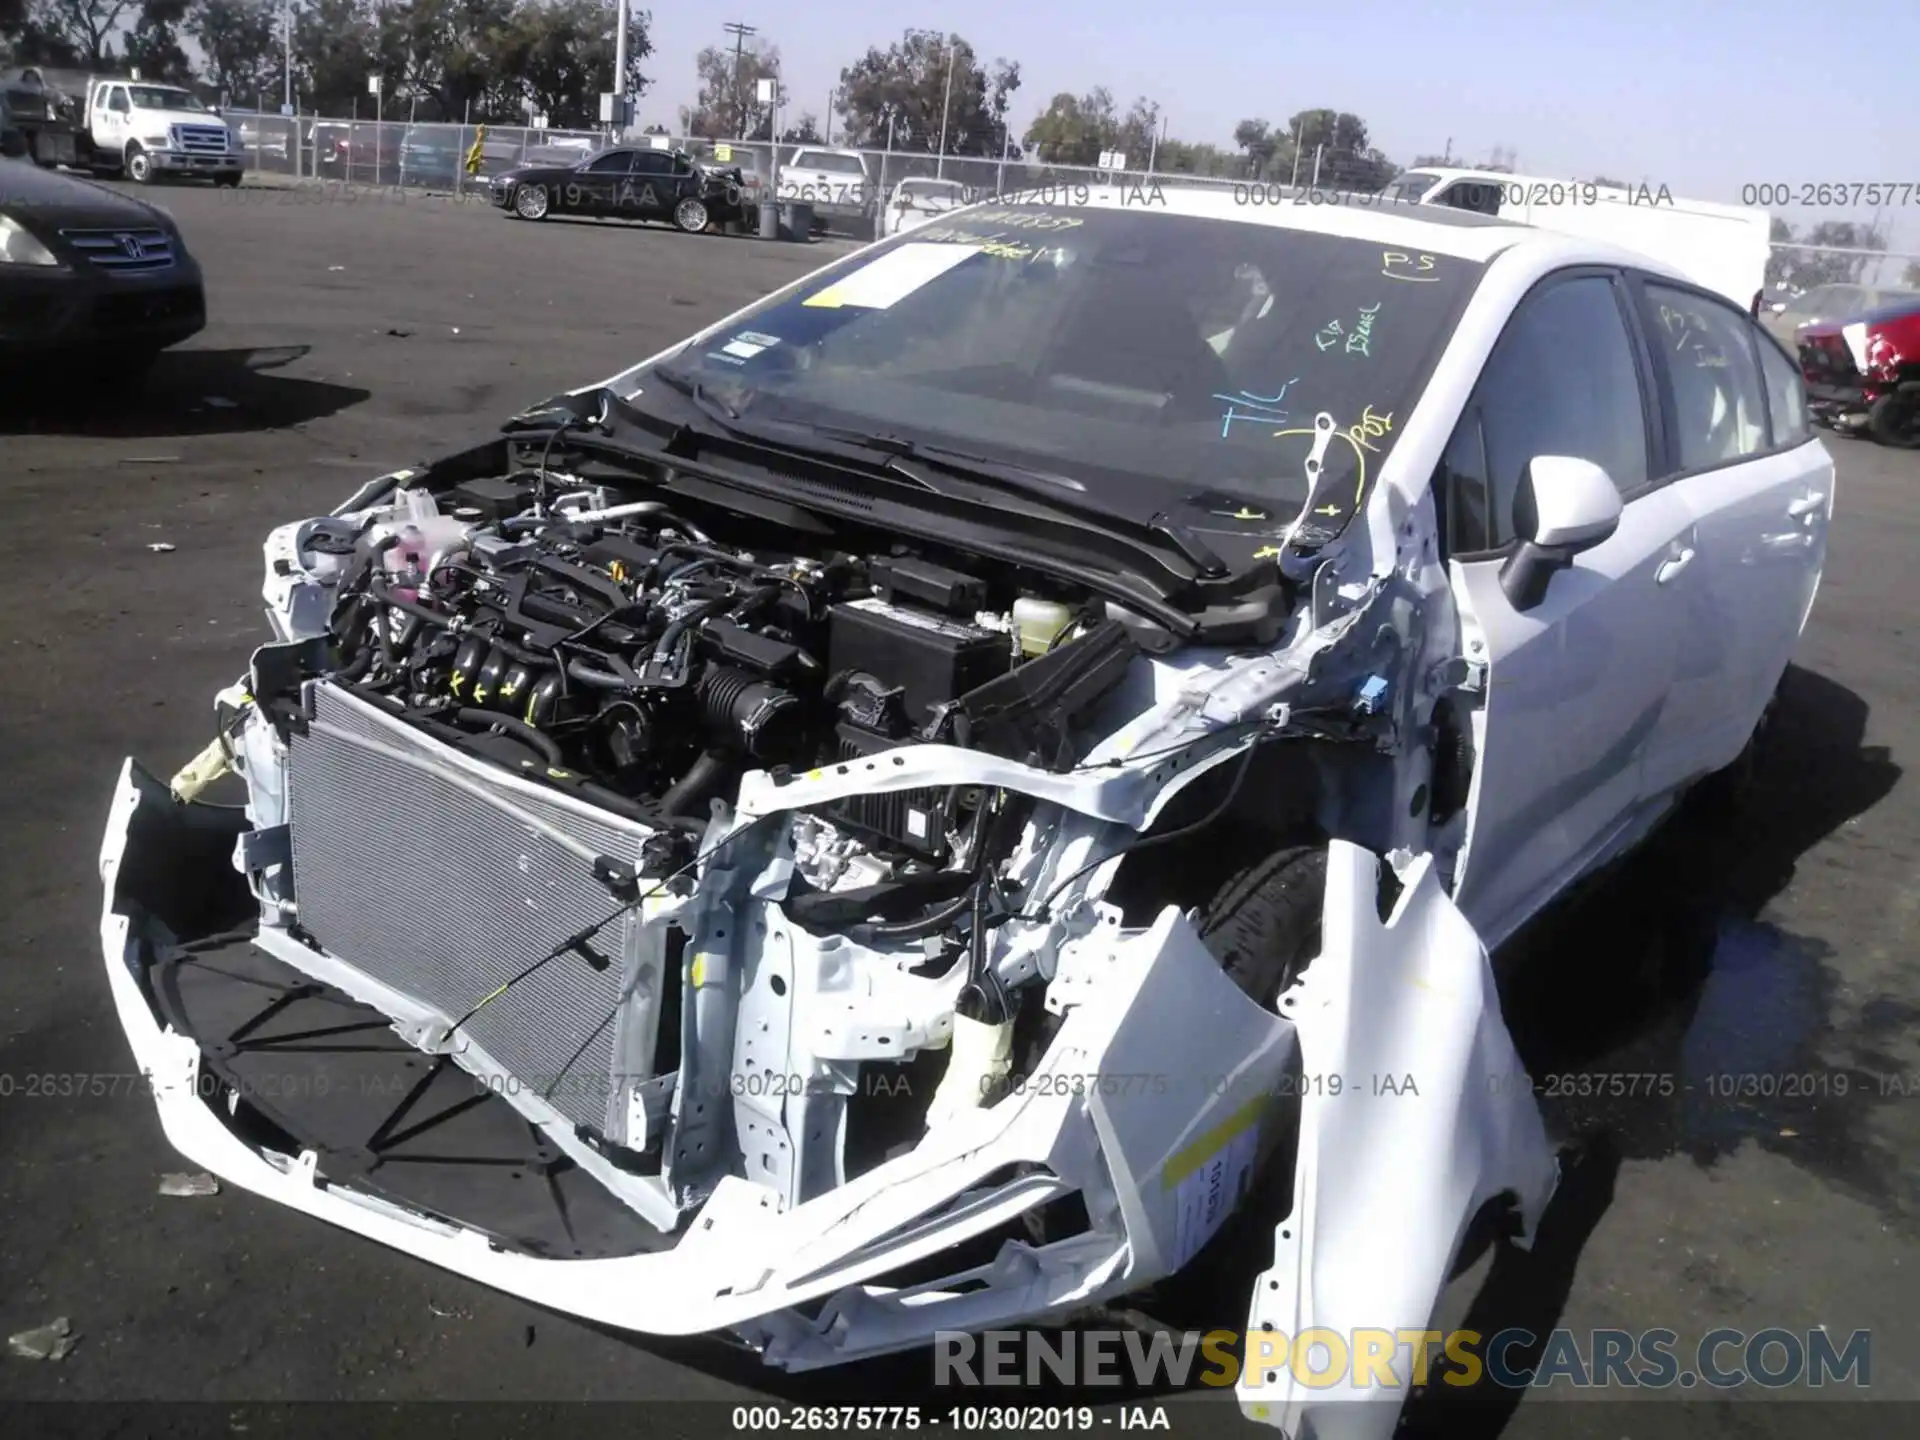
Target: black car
[
  {"x": 627, "y": 183},
  {"x": 89, "y": 275}
]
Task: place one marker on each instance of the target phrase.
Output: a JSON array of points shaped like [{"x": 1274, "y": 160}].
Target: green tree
[
  {"x": 153, "y": 44},
  {"x": 558, "y": 56},
  {"x": 333, "y": 54},
  {"x": 909, "y": 82},
  {"x": 805, "y": 132},
  {"x": 1073, "y": 129},
  {"x": 240, "y": 43},
  {"x": 727, "y": 105},
  {"x": 79, "y": 32},
  {"x": 1910, "y": 277},
  {"x": 1269, "y": 155}
]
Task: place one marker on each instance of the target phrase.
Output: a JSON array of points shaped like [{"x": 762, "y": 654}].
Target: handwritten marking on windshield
[
  {"x": 1029, "y": 220},
  {"x": 996, "y": 245},
  {"x": 1396, "y": 265},
  {"x": 1369, "y": 427},
  {"x": 1243, "y": 513},
  {"x": 1261, "y": 408},
  {"x": 1358, "y": 340},
  {"x": 1267, "y": 552}
]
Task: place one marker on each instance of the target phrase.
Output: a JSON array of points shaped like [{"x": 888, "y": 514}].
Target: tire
[
  {"x": 1894, "y": 421},
  {"x": 1263, "y": 924},
  {"x": 230, "y": 182},
  {"x": 139, "y": 166},
  {"x": 531, "y": 202},
  {"x": 692, "y": 216}
]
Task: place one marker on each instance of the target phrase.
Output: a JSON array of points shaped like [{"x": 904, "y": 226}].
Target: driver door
[
  {"x": 599, "y": 184},
  {"x": 1573, "y": 686},
  {"x": 112, "y": 118}
]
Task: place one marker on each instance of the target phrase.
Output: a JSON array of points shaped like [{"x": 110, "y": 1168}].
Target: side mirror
[{"x": 1565, "y": 506}]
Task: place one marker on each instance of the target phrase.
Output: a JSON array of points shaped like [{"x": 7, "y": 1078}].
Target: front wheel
[
  {"x": 531, "y": 202},
  {"x": 139, "y": 166},
  {"x": 231, "y": 182},
  {"x": 1895, "y": 420},
  {"x": 1263, "y": 924},
  {"x": 691, "y": 216}
]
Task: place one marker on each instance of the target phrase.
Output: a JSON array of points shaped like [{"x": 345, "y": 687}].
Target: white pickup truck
[
  {"x": 147, "y": 131},
  {"x": 834, "y": 182}
]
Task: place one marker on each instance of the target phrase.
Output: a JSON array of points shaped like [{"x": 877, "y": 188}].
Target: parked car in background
[
  {"x": 93, "y": 282},
  {"x": 626, "y": 183},
  {"x": 431, "y": 156},
  {"x": 1827, "y": 303},
  {"x": 1863, "y": 372},
  {"x": 357, "y": 150},
  {"x": 835, "y": 183},
  {"x": 918, "y": 199},
  {"x": 752, "y": 161}
]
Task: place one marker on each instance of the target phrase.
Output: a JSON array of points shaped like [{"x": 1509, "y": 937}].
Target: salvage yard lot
[{"x": 354, "y": 336}]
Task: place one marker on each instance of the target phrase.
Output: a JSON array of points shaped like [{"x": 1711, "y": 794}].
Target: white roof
[
  {"x": 1362, "y": 217},
  {"x": 1392, "y": 224}
]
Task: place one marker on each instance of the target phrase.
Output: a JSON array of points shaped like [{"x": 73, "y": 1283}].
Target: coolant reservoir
[
  {"x": 424, "y": 534},
  {"x": 1038, "y": 623}
]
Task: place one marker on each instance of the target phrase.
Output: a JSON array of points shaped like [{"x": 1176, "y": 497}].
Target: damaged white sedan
[{"x": 886, "y": 818}]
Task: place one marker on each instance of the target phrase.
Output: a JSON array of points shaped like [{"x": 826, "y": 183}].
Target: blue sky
[{"x": 1703, "y": 96}]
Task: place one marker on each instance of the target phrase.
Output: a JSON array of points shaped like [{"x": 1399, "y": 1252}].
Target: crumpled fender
[{"x": 1415, "y": 1112}]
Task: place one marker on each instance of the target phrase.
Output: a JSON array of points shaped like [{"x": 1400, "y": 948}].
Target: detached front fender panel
[{"x": 1415, "y": 1113}]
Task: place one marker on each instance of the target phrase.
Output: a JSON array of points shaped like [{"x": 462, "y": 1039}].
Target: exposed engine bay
[
  {"x": 627, "y": 649},
  {"x": 779, "y": 880}
]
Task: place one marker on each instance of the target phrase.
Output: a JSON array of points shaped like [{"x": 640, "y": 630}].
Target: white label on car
[
  {"x": 1204, "y": 1199},
  {"x": 885, "y": 282},
  {"x": 748, "y": 344},
  {"x": 919, "y": 619}
]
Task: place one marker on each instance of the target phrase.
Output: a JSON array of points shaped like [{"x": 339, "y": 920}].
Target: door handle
[
  {"x": 1673, "y": 564},
  {"x": 1806, "y": 505}
]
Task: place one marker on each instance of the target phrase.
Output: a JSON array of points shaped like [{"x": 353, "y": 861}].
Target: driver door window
[{"x": 1562, "y": 381}]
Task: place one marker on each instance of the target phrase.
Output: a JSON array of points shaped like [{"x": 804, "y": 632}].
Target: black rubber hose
[
  {"x": 932, "y": 923},
  {"x": 519, "y": 729}
]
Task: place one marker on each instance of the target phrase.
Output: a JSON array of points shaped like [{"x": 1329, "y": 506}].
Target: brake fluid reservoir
[{"x": 1038, "y": 623}]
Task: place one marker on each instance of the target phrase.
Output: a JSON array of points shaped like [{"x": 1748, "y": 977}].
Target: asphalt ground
[{"x": 351, "y": 335}]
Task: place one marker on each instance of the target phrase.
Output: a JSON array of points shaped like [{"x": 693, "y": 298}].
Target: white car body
[
  {"x": 1723, "y": 248},
  {"x": 1590, "y": 713},
  {"x": 146, "y": 140},
  {"x": 918, "y": 199}
]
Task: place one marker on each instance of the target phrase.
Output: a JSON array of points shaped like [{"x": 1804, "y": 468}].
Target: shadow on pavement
[{"x": 187, "y": 392}]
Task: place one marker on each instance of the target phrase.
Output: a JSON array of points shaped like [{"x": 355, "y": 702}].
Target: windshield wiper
[
  {"x": 960, "y": 461},
  {"x": 715, "y": 408},
  {"x": 1020, "y": 477}
]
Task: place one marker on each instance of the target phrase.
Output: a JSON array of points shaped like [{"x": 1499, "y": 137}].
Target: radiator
[{"x": 443, "y": 877}]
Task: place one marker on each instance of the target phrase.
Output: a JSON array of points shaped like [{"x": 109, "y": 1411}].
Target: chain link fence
[{"x": 435, "y": 158}]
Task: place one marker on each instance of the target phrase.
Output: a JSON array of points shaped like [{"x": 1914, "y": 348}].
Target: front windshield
[
  {"x": 1137, "y": 350},
  {"x": 155, "y": 97}
]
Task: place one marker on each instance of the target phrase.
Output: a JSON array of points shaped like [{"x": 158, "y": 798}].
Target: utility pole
[
  {"x": 946, "y": 104},
  {"x": 619, "y": 86},
  {"x": 286, "y": 40},
  {"x": 740, "y": 33}
]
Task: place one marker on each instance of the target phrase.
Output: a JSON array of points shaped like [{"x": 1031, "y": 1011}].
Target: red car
[{"x": 1864, "y": 373}]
